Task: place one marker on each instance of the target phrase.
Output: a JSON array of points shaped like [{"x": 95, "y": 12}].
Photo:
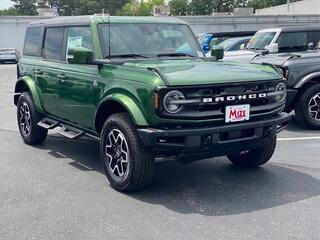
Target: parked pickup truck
[
  {"x": 302, "y": 73},
  {"x": 143, "y": 88}
]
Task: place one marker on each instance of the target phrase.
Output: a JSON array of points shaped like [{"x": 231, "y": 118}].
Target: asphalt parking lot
[{"x": 58, "y": 191}]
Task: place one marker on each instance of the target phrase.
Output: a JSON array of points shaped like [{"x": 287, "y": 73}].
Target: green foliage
[
  {"x": 25, "y": 7},
  {"x": 179, "y": 7},
  {"x": 201, "y": 7},
  {"x": 139, "y": 8},
  {"x": 257, "y": 4},
  {"x": 9, "y": 12},
  {"x": 133, "y": 7}
]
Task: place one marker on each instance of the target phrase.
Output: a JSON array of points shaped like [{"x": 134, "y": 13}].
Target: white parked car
[
  {"x": 278, "y": 40},
  {"x": 9, "y": 55}
]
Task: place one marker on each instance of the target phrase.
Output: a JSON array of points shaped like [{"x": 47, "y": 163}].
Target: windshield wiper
[
  {"x": 177, "y": 54},
  {"x": 129, "y": 55}
]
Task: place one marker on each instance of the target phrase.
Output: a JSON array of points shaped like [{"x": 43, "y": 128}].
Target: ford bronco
[
  {"x": 143, "y": 88},
  {"x": 302, "y": 73}
]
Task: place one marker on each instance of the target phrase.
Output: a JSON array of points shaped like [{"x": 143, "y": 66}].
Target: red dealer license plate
[{"x": 237, "y": 113}]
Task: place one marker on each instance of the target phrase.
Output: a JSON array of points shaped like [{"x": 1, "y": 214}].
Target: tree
[
  {"x": 257, "y": 4},
  {"x": 139, "y": 8},
  {"x": 179, "y": 7},
  {"x": 201, "y": 7},
  {"x": 64, "y": 7},
  {"x": 25, "y": 7},
  {"x": 9, "y": 12}
]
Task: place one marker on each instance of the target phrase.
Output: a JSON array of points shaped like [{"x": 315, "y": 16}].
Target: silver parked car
[{"x": 9, "y": 55}]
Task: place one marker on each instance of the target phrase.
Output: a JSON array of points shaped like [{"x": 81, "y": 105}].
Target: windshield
[
  {"x": 228, "y": 42},
  {"x": 7, "y": 50},
  {"x": 260, "y": 40},
  {"x": 148, "y": 40}
]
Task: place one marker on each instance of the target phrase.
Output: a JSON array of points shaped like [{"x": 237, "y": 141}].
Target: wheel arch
[
  {"x": 27, "y": 84},
  {"x": 308, "y": 79},
  {"x": 117, "y": 103}
]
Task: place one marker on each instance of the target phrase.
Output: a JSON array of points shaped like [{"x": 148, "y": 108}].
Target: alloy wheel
[
  {"x": 314, "y": 107},
  {"x": 118, "y": 156},
  {"x": 25, "y": 119}
]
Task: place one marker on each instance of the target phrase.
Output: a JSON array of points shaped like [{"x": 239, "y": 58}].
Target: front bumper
[{"x": 214, "y": 141}]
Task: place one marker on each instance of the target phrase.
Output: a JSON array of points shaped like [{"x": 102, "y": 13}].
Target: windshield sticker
[{"x": 75, "y": 41}]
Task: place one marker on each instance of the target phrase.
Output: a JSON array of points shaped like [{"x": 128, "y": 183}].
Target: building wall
[
  {"x": 12, "y": 28},
  {"x": 201, "y": 24},
  {"x": 302, "y": 7}
]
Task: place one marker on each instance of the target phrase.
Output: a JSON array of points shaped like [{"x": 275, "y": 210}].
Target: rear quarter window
[{"x": 32, "y": 44}]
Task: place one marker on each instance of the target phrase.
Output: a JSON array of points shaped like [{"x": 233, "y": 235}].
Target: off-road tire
[
  {"x": 302, "y": 107},
  {"x": 255, "y": 157},
  {"x": 37, "y": 134},
  {"x": 141, "y": 160}
]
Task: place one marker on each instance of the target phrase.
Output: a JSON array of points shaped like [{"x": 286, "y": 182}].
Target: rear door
[
  {"x": 77, "y": 86},
  {"x": 48, "y": 70}
]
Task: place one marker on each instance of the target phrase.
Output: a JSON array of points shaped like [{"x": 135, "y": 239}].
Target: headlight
[
  {"x": 282, "y": 71},
  {"x": 281, "y": 92},
  {"x": 170, "y": 101}
]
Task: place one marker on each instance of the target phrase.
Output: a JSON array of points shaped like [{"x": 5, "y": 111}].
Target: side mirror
[
  {"x": 273, "y": 48},
  {"x": 310, "y": 46},
  {"x": 80, "y": 55},
  {"x": 217, "y": 51}
]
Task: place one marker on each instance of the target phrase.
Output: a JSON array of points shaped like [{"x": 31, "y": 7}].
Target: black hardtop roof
[
  {"x": 300, "y": 28},
  {"x": 87, "y": 19}
]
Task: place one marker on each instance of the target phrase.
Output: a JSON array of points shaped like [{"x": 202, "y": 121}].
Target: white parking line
[{"x": 298, "y": 138}]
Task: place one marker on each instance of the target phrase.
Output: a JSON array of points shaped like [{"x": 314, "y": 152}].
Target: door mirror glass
[
  {"x": 217, "y": 51},
  {"x": 242, "y": 46},
  {"x": 273, "y": 48},
  {"x": 80, "y": 55}
]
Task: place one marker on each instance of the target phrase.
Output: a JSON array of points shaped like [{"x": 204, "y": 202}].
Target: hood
[
  {"x": 277, "y": 60},
  {"x": 281, "y": 59},
  {"x": 178, "y": 72}
]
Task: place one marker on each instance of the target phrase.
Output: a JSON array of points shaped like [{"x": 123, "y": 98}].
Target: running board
[
  {"x": 70, "y": 132},
  {"x": 48, "y": 123}
]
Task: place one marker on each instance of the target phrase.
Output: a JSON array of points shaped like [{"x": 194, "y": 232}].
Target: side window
[
  {"x": 293, "y": 41},
  {"x": 53, "y": 43},
  {"x": 32, "y": 41},
  {"x": 79, "y": 37}
]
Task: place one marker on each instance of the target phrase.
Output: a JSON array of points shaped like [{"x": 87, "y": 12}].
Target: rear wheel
[
  {"x": 127, "y": 163},
  {"x": 307, "y": 109},
  {"x": 28, "y": 118},
  {"x": 255, "y": 157}
]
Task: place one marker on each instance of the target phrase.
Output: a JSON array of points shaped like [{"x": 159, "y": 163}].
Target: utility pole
[{"x": 288, "y": 5}]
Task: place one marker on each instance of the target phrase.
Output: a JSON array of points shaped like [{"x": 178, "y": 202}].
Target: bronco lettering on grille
[{"x": 235, "y": 97}]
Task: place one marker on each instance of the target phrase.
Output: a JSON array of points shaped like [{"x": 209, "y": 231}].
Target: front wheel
[
  {"x": 127, "y": 163},
  {"x": 307, "y": 109},
  {"x": 255, "y": 157}
]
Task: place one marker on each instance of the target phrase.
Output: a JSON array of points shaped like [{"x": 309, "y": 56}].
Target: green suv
[{"x": 142, "y": 87}]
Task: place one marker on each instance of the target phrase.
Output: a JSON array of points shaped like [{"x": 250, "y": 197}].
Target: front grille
[{"x": 216, "y": 110}]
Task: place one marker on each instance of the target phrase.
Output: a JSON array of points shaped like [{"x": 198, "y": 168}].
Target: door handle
[
  {"x": 37, "y": 71},
  {"x": 62, "y": 77}
]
